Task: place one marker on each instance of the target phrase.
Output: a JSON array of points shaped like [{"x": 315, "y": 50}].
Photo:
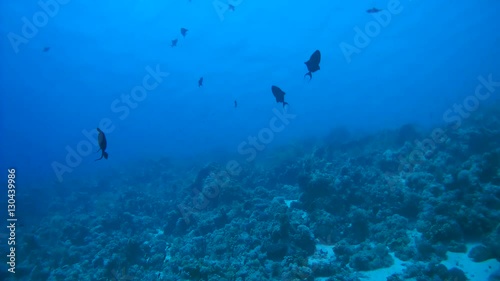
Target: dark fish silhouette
[
  {"x": 373, "y": 10},
  {"x": 231, "y": 7},
  {"x": 235, "y": 103},
  {"x": 101, "y": 139},
  {"x": 200, "y": 82},
  {"x": 183, "y": 32},
  {"x": 46, "y": 49},
  {"x": 279, "y": 95},
  {"x": 174, "y": 43},
  {"x": 313, "y": 63}
]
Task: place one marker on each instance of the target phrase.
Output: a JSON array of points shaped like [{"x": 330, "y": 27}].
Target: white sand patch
[
  {"x": 325, "y": 254},
  {"x": 289, "y": 202},
  {"x": 475, "y": 271},
  {"x": 383, "y": 273}
]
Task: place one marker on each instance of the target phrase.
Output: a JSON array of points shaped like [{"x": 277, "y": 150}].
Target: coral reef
[{"x": 339, "y": 210}]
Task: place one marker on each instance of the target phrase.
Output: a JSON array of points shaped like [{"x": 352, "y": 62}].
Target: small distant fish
[
  {"x": 373, "y": 10},
  {"x": 279, "y": 95},
  {"x": 46, "y": 49},
  {"x": 200, "y": 82},
  {"x": 101, "y": 139},
  {"x": 235, "y": 103},
  {"x": 174, "y": 43},
  {"x": 231, "y": 7},
  {"x": 183, "y": 32},
  {"x": 313, "y": 63}
]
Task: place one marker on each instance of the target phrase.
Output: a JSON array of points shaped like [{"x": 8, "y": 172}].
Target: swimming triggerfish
[
  {"x": 373, "y": 10},
  {"x": 200, "y": 82},
  {"x": 174, "y": 43},
  {"x": 101, "y": 139},
  {"x": 183, "y": 32},
  {"x": 279, "y": 95},
  {"x": 313, "y": 63}
]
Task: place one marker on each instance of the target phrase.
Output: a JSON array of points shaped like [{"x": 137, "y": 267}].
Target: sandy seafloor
[{"x": 475, "y": 271}]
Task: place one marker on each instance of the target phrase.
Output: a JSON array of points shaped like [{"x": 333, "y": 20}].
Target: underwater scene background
[{"x": 250, "y": 140}]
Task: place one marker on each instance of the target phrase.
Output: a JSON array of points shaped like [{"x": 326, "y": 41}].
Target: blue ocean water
[{"x": 388, "y": 153}]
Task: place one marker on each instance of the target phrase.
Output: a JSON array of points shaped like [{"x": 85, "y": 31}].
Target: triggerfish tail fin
[{"x": 104, "y": 154}]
